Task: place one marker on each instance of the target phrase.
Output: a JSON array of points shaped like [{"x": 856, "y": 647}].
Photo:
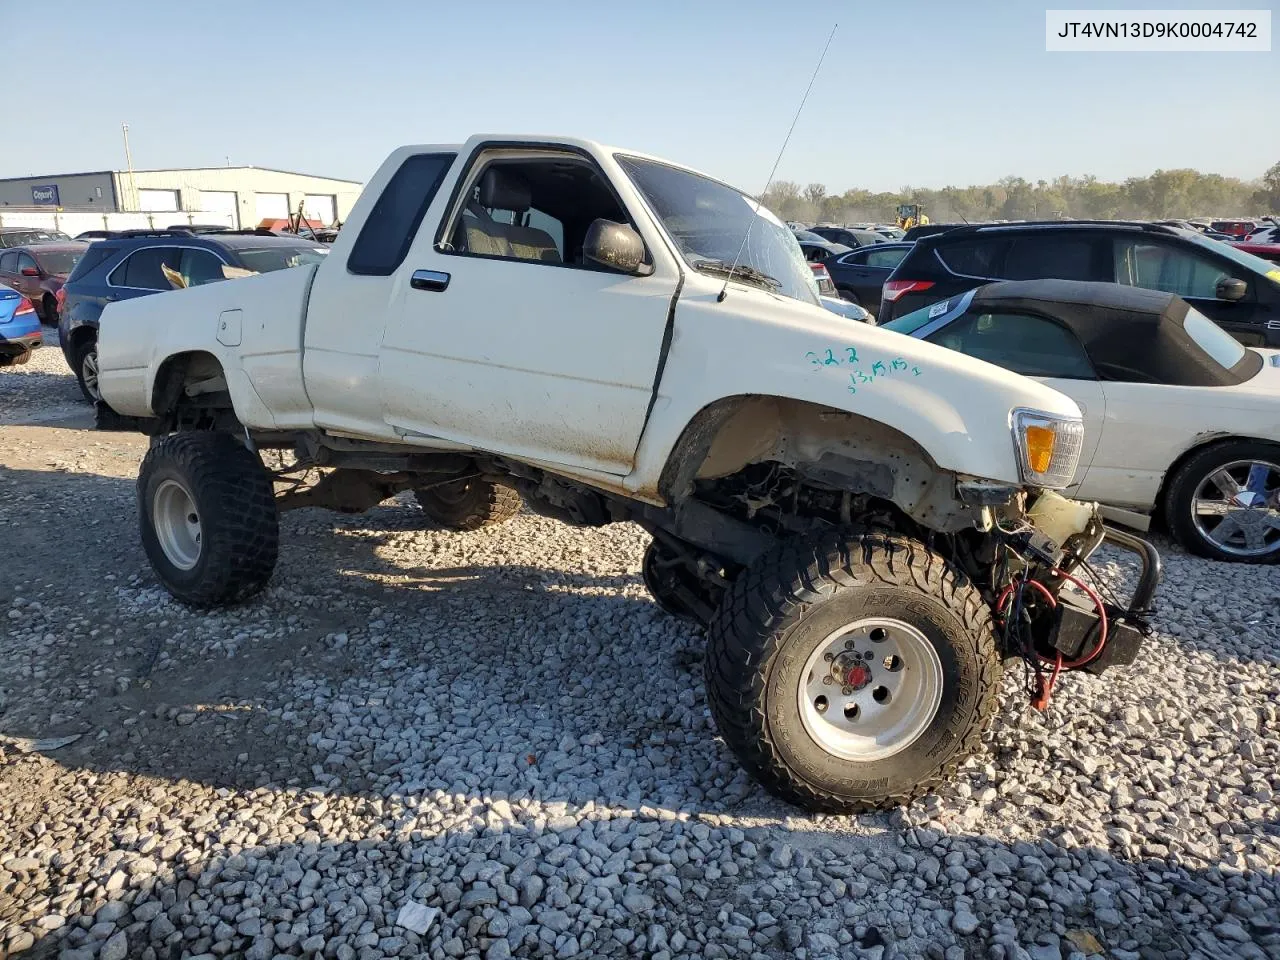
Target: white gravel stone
[{"x": 493, "y": 744}]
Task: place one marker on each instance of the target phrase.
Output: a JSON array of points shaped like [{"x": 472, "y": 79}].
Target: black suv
[
  {"x": 137, "y": 263},
  {"x": 1238, "y": 290}
]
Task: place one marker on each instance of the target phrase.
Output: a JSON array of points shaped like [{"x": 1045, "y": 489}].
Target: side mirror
[
  {"x": 1229, "y": 288},
  {"x": 30, "y": 272},
  {"x": 615, "y": 246}
]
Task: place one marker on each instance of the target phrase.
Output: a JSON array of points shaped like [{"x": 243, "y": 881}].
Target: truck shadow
[{"x": 497, "y": 870}]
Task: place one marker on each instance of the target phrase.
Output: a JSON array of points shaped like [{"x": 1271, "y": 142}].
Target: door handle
[{"x": 429, "y": 280}]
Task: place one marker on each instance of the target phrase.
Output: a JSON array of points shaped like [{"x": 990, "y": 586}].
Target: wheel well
[
  {"x": 81, "y": 334},
  {"x": 831, "y": 447},
  {"x": 1158, "y": 512},
  {"x": 181, "y": 371}
]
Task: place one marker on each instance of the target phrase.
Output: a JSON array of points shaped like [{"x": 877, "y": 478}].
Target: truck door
[{"x": 505, "y": 338}]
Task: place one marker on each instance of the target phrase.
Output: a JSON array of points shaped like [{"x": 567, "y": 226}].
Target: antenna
[{"x": 724, "y": 291}]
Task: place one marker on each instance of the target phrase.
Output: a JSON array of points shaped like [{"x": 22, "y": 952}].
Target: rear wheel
[
  {"x": 1224, "y": 502},
  {"x": 50, "y": 310},
  {"x": 207, "y": 513},
  {"x": 86, "y": 357},
  {"x": 852, "y": 671},
  {"x": 469, "y": 503},
  {"x": 849, "y": 295}
]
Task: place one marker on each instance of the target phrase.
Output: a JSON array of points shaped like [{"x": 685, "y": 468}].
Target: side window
[
  {"x": 200, "y": 267},
  {"x": 534, "y": 209},
  {"x": 1159, "y": 266},
  {"x": 393, "y": 222},
  {"x": 884, "y": 258},
  {"x": 9, "y": 263},
  {"x": 815, "y": 254},
  {"x": 1060, "y": 257},
  {"x": 1026, "y": 344},
  {"x": 977, "y": 257},
  {"x": 143, "y": 269},
  {"x": 26, "y": 262}
]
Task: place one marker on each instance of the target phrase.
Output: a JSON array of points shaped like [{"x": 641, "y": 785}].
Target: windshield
[
  {"x": 1235, "y": 254},
  {"x": 708, "y": 222},
  {"x": 57, "y": 262},
  {"x": 267, "y": 259}
]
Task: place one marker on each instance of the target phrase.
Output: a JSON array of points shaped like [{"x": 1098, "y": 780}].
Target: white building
[{"x": 235, "y": 196}]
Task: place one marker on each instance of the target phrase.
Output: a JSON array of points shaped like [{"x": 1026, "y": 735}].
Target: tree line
[{"x": 1164, "y": 194}]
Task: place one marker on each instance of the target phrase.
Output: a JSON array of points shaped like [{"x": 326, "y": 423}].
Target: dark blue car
[
  {"x": 19, "y": 327},
  {"x": 139, "y": 263}
]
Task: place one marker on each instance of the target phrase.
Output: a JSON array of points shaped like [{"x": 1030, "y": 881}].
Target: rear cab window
[{"x": 387, "y": 234}]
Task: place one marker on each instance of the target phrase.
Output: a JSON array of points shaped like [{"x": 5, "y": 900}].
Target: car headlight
[{"x": 1049, "y": 447}]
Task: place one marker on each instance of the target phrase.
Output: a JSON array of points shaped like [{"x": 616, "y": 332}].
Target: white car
[{"x": 1181, "y": 421}]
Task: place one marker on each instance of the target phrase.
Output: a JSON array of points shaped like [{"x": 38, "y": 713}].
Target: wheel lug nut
[
  {"x": 846, "y": 690},
  {"x": 848, "y": 644},
  {"x": 828, "y": 657},
  {"x": 827, "y": 680}
]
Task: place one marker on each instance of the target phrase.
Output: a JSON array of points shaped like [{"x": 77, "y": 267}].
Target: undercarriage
[{"x": 853, "y": 654}]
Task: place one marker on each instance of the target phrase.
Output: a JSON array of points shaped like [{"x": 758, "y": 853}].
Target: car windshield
[
  {"x": 1212, "y": 339},
  {"x": 1246, "y": 260},
  {"x": 58, "y": 262},
  {"x": 709, "y": 221},
  {"x": 267, "y": 259}
]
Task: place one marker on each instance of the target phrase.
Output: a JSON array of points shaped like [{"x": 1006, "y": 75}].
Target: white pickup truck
[{"x": 865, "y": 523}]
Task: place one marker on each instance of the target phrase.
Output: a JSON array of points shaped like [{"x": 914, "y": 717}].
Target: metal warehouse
[{"x": 235, "y": 196}]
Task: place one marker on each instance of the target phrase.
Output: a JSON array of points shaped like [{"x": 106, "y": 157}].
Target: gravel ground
[{"x": 420, "y": 743}]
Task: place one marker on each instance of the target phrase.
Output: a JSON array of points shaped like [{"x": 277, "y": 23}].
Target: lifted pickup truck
[{"x": 864, "y": 523}]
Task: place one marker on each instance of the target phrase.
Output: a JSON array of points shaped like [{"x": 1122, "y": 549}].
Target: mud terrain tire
[{"x": 836, "y": 591}]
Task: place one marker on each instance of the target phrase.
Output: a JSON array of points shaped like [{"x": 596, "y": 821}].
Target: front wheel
[
  {"x": 207, "y": 514},
  {"x": 1224, "y": 502},
  {"x": 852, "y": 672}
]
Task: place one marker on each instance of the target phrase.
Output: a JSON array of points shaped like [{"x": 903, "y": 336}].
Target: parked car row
[
  {"x": 1237, "y": 290},
  {"x": 142, "y": 262},
  {"x": 1181, "y": 421}
]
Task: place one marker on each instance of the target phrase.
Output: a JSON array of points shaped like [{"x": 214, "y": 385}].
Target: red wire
[
  {"x": 1102, "y": 620},
  {"x": 1059, "y": 663}
]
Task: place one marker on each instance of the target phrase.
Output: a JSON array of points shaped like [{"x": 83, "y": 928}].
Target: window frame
[
  {"x": 485, "y": 154},
  {"x": 154, "y": 246},
  {"x": 12, "y": 256},
  {"x": 1195, "y": 251},
  {"x": 928, "y": 331}
]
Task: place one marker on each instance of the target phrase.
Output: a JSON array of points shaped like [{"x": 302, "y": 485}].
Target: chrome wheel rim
[
  {"x": 870, "y": 689},
  {"x": 177, "y": 524},
  {"x": 1237, "y": 508},
  {"x": 89, "y": 370}
]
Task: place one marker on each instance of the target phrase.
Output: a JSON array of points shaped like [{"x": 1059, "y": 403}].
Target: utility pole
[{"x": 128, "y": 159}]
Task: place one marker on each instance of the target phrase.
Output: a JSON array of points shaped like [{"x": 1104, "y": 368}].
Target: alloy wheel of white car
[{"x": 1237, "y": 508}]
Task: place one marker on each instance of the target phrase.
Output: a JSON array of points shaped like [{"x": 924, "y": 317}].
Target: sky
[{"x": 911, "y": 93}]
